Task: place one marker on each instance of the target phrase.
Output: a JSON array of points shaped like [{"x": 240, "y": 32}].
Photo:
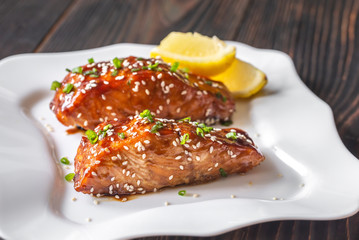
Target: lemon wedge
[
  {"x": 242, "y": 79},
  {"x": 200, "y": 54}
]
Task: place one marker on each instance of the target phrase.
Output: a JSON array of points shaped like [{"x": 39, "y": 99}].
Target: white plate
[{"x": 307, "y": 174}]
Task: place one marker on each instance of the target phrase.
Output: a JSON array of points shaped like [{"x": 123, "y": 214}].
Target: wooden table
[{"x": 321, "y": 36}]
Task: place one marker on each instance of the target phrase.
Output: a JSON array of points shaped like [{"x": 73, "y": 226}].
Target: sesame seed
[
  {"x": 181, "y": 167},
  {"x": 109, "y": 108},
  {"x": 174, "y": 143},
  {"x": 211, "y": 149},
  {"x": 112, "y": 179},
  {"x": 117, "y": 197},
  {"x": 233, "y": 196},
  {"x": 138, "y": 182},
  {"x": 159, "y": 76},
  {"x": 198, "y": 158},
  {"x": 119, "y": 77},
  {"x": 184, "y": 92},
  {"x": 195, "y": 195},
  {"x": 124, "y": 199},
  {"x": 113, "y": 158},
  {"x": 93, "y": 174},
  {"x": 178, "y": 157},
  {"x": 209, "y": 169},
  {"x": 92, "y": 189},
  {"x": 105, "y": 82},
  {"x": 73, "y": 199},
  {"x": 147, "y": 141},
  {"x": 110, "y": 188},
  {"x": 147, "y": 92},
  {"x": 167, "y": 203},
  {"x": 178, "y": 110},
  {"x": 79, "y": 115},
  {"x": 95, "y": 202},
  {"x": 171, "y": 177},
  {"x": 85, "y": 123},
  {"x": 88, "y": 219},
  {"x": 143, "y": 156},
  {"x": 153, "y": 78},
  {"x": 125, "y": 147},
  {"x": 216, "y": 165},
  {"x": 189, "y": 159},
  {"x": 124, "y": 163}
]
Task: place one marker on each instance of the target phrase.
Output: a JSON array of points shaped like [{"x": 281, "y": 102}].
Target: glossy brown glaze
[
  {"x": 146, "y": 161},
  {"x": 115, "y": 94}
]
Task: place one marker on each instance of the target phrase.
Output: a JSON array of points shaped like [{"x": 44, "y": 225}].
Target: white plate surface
[{"x": 307, "y": 174}]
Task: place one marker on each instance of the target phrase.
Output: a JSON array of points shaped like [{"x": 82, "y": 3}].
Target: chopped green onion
[
  {"x": 139, "y": 58},
  {"x": 117, "y": 62},
  {"x": 135, "y": 69},
  {"x": 65, "y": 161},
  {"x": 231, "y": 135},
  {"x": 147, "y": 114},
  {"x": 185, "y": 138},
  {"x": 122, "y": 135},
  {"x": 69, "y": 177},
  {"x": 182, "y": 193},
  {"x": 159, "y": 69},
  {"x": 156, "y": 127},
  {"x": 222, "y": 172},
  {"x": 199, "y": 132},
  {"x": 187, "y": 119},
  {"x": 102, "y": 134},
  {"x": 129, "y": 82},
  {"x": 174, "y": 66},
  {"x": 226, "y": 123},
  {"x": 68, "y": 88},
  {"x": 94, "y": 70},
  {"x": 77, "y": 70},
  {"x": 55, "y": 85},
  {"x": 153, "y": 67},
  {"x": 114, "y": 73},
  {"x": 90, "y": 60},
  {"x": 94, "y": 75},
  {"x": 186, "y": 75},
  {"x": 69, "y": 70},
  {"x": 220, "y": 96},
  {"x": 205, "y": 128},
  {"x": 108, "y": 126},
  {"x": 208, "y": 83},
  {"x": 92, "y": 136},
  {"x": 185, "y": 70}
]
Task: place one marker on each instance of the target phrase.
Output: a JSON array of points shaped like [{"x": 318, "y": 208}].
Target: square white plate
[{"x": 307, "y": 174}]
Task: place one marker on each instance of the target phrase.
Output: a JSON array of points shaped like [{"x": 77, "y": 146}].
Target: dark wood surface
[{"x": 321, "y": 37}]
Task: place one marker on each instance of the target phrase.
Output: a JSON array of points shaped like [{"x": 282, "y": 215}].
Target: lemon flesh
[
  {"x": 200, "y": 54},
  {"x": 242, "y": 79}
]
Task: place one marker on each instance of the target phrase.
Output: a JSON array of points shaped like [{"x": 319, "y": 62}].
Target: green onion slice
[
  {"x": 135, "y": 69},
  {"x": 147, "y": 114},
  {"x": 185, "y": 138},
  {"x": 117, "y": 62},
  {"x": 122, "y": 135},
  {"x": 69, "y": 177},
  {"x": 186, "y": 119},
  {"x": 226, "y": 123},
  {"x": 199, "y": 132},
  {"x": 92, "y": 136},
  {"x": 65, "y": 161},
  {"x": 174, "y": 66},
  {"x": 90, "y": 60},
  {"x": 114, "y": 73},
  {"x": 77, "y": 70},
  {"x": 55, "y": 85},
  {"x": 156, "y": 127},
  {"x": 68, "y": 88},
  {"x": 182, "y": 193},
  {"x": 231, "y": 135},
  {"x": 222, "y": 172}
]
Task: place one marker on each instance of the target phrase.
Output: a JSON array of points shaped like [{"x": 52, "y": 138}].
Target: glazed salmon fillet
[
  {"x": 117, "y": 89},
  {"x": 143, "y": 154}
]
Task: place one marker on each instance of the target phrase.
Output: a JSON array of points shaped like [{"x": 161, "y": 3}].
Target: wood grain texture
[
  {"x": 321, "y": 36},
  {"x": 24, "y": 23}
]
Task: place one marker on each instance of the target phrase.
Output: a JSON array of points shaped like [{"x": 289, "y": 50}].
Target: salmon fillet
[
  {"x": 144, "y": 154},
  {"x": 115, "y": 90}
]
